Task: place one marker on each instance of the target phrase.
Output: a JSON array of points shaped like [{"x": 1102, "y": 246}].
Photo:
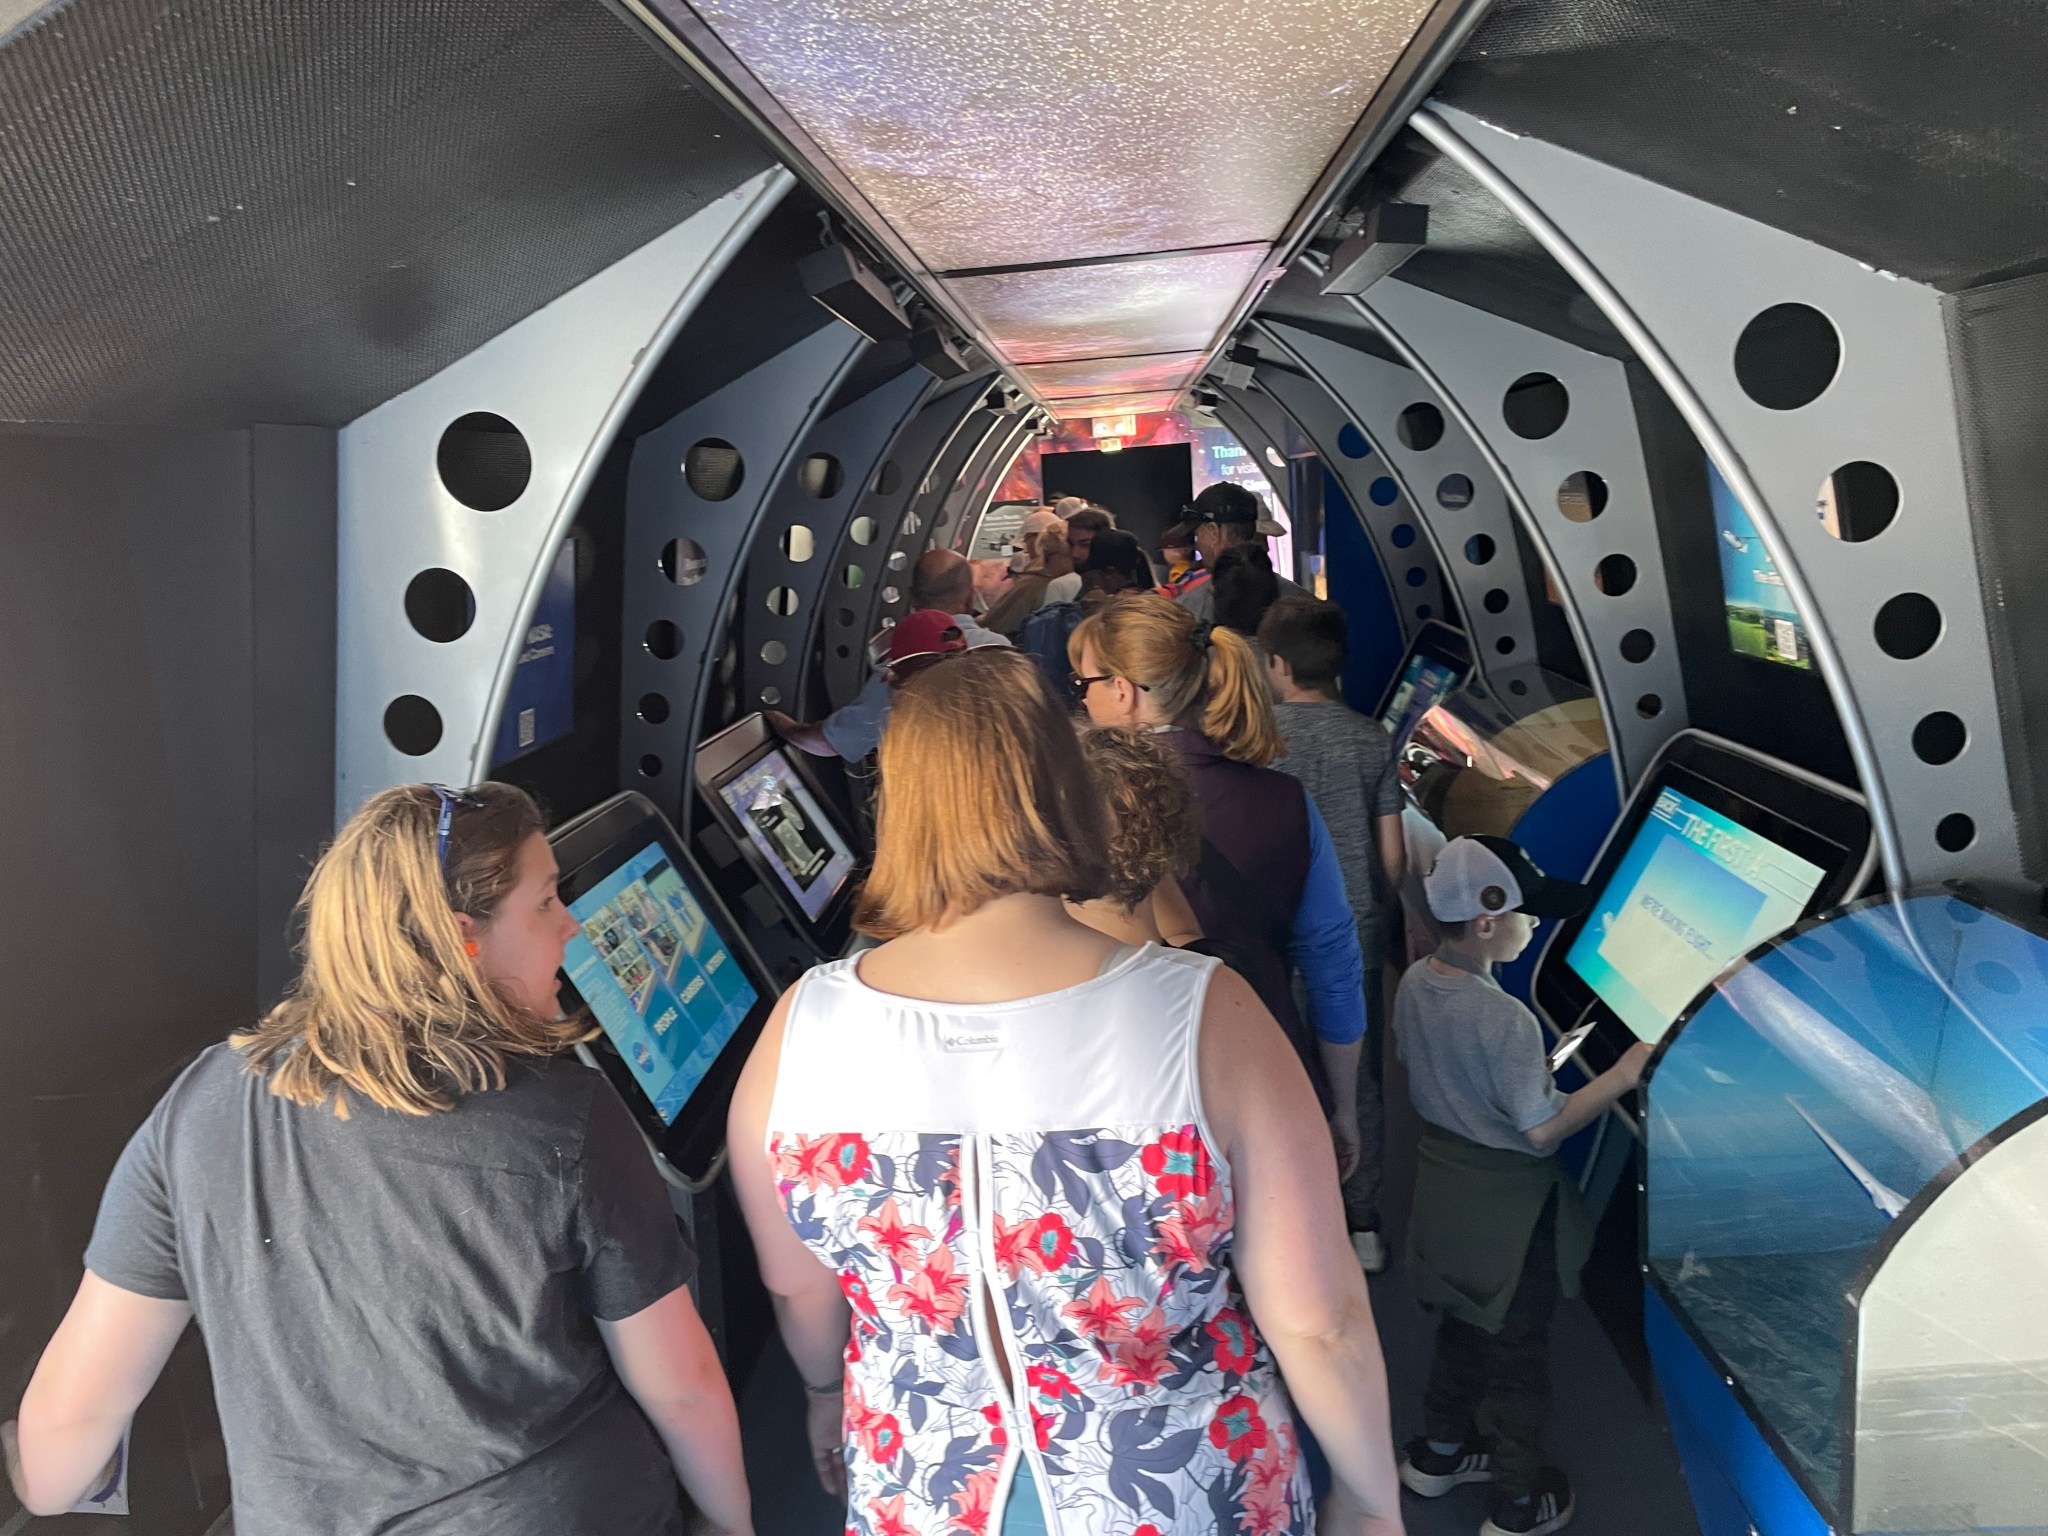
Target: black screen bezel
[
  {"x": 1823, "y": 824},
  {"x": 828, "y": 924},
  {"x": 623, "y": 827}
]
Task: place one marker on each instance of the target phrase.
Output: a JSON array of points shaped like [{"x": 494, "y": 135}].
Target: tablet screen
[
  {"x": 1695, "y": 891},
  {"x": 658, "y": 976},
  {"x": 783, "y": 820}
]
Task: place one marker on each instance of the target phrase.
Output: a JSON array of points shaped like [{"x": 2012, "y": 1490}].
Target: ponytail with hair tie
[{"x": 1198, "y": 637}]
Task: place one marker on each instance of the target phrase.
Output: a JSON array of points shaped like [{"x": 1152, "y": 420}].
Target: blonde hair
[
  {"x": 983, "y": 794},
  {"x": 1200, "y": 675},
  {"x": 389, "y": 1003},
  {"x": 1155, "y": 822}
]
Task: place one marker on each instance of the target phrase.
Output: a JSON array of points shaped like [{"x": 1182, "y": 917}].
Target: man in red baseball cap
[{"x": 922, "y": 637}]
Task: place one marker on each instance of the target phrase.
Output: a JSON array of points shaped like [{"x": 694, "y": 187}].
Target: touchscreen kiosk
[
  {"x": 659, "y": 964},
  {"x": 1437, "y": 665},
  {"x": 1719, "y": 850},
  {"x": 754, "y": 785}
]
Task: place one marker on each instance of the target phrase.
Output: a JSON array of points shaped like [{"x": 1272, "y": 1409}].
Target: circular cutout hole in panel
[
  {"x": 1535, "y": 405},
  {"x": 898, "y": 560},
  {"x": 1384, "y": 492},
  {"x": 1787, "y": 356},
  {"x": 1505, "y": 645},
  {"x": 846, "y": 618},
  {"x": 888, "y": 479},
  {"x": 1907, "y": 626},
  {"x": 439, "y": 605},
  {"x": 771, "y": 696},
  {"x": 412, "y": 725},
  {"x": 911, "y": 524},
  {"x": 1479, "y": 549},
  {"x": 891, "y": 595},
  {"x": 1517, "y": 687},
  {"x": 1582, "y": 497},
  {"x": 713, "y": 469},
  {"x": 1649, "y": 706},
  {"x": 1421, "y": 426},
  {"x": 863, "y": 530},
  {"x": 1858, "y": 501},
  {"x": 782, "y": 601},
  {"x": 484, "y": 462},
  {"x": 798, "y": 543},
  {"x": 1402, "y": 536},
  {"x": 650, "y": 767},
  {"x": 1940, "y": 737},
  {"x": 684, "y": 562},
  {"x": 1638, "y": 645},
  {"x": 1955, "y": 832},
  {"x": 820, "y": 476},
  {"x": 853, "y": 576},
  {"x": 1496, "y": 600},
  {"x": 774, "y": 652},
  {"x": 1614, "y": 575},
  {"x": 664, "y": 641},
  {"x": 842, "y": 651},
  {"x": 1417, "y": 576},
  {"x": 653, "y": 708},
  {"x": 1273, "y": 457},
  {"x": 1351, "y": 442},
  {"x": 1454, "y": 492},
  {"x": 1422, "y": 610}
]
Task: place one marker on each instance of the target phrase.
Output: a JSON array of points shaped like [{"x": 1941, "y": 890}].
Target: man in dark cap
[{"x": 1227, "y": 516}]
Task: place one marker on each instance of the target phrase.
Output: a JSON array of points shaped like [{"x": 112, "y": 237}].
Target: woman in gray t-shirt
[{"x": 440, "y": 1283}]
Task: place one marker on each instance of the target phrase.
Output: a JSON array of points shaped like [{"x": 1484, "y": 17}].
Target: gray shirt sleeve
[
  {"x": 1385, "y": 795},
  {"x": 135, "y": 1240},
  {"x": 1522, "y": 1088},
  {"x": 634, "y": 1252}
]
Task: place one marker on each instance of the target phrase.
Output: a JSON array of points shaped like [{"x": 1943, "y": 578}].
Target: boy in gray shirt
[
  {"x": 1346, "y": 763},
  {"x": 1498, "y": 1231}
]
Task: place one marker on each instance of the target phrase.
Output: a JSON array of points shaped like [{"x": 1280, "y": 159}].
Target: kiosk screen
[
  {"x": 658, "y": 976},
  {"x": 1425, "y": 683},
  {"x": 1694, "y": 891},
  {"x": 783, "y": 821}
]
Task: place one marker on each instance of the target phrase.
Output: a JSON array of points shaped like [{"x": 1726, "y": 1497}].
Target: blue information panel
[
  {"x": 1426, "y": 683},
  {"x": 1761, "y": 619},
  {"x": 1694, "y": 892},
  {"x": 658, "y": 977}
]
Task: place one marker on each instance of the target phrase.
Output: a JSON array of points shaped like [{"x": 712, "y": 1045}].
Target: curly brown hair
[{"x": 1155, "y": 824}]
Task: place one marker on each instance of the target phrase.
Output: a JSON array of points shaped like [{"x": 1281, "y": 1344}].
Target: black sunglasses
[
  {"x": 450, "y": 798},
  {"x": 1083, "y": 684}
]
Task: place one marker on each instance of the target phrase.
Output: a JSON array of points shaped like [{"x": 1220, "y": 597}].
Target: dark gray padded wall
[
  {"x": 230, "y": 211},
  {"x": 167, "y": 704}
]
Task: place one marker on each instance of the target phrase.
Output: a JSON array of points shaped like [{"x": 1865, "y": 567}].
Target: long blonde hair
[
  {"x": 1200, "y": 675},
  {"x": 984, "y": 794},
  {"x": 389, "y": 1003}
]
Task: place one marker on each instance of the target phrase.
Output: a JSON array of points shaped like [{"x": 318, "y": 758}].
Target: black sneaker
[
  {"x": 1548, "y": 1509},
  {"x": 1433, "y": 1474}
]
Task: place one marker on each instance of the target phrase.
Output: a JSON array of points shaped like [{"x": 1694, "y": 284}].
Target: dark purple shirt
[{"x": 1257, "y": 818}]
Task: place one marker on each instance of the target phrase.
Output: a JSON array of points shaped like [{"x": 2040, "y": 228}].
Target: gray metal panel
[
  {"x": 1400, "y": 537},
  {"x": 944, "y": 420},
  {"x": 967, "y": 500},
  {"x": 765, "y": 414},
  {"x": 565, "y": 376},
  {"x": 1470, "y": 358},
  {"x": 1377, "y": 391},
  {"x": 1256, "y": 436},
  {"x": 1681, "y": 279},
  {"x": 856, "y": 438}
]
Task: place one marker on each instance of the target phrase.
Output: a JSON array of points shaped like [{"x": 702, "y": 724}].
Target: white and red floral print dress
[{"x": 1054, "y": 1151}]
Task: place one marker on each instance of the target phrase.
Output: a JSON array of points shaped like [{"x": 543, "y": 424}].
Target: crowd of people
[{"x": 1066, "y": 1190}]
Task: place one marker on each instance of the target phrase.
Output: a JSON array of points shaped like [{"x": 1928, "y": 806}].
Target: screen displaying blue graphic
[
  {"x": 658, "y": 976},
  {"x": 784, "y": 822},
  {"x": 1694, "y": 892},
  {"x": 1425, "y": 683},
  {"x": 1761, "y": 619}
]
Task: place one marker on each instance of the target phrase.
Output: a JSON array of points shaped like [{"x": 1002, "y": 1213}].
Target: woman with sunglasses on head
[
  {"x": 440, "y": 1282},
  {"x": 1053, "y": 1238},
  {"x": 1267, "y": 883}
]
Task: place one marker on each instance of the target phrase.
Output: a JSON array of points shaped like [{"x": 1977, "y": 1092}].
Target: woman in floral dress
[{"x": 1052, "y": 1223}]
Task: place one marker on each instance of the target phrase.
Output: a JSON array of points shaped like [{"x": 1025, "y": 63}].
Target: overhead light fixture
[
  {"x": 846, "y": 286},
  {"x": 935, "y": 352},
  {"x": 1113, "y": 426},
  {"x": 1393, "y": 232}
]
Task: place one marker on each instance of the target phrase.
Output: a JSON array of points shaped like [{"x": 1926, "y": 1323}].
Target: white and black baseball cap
[{"x": 1482, "y": 876}]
